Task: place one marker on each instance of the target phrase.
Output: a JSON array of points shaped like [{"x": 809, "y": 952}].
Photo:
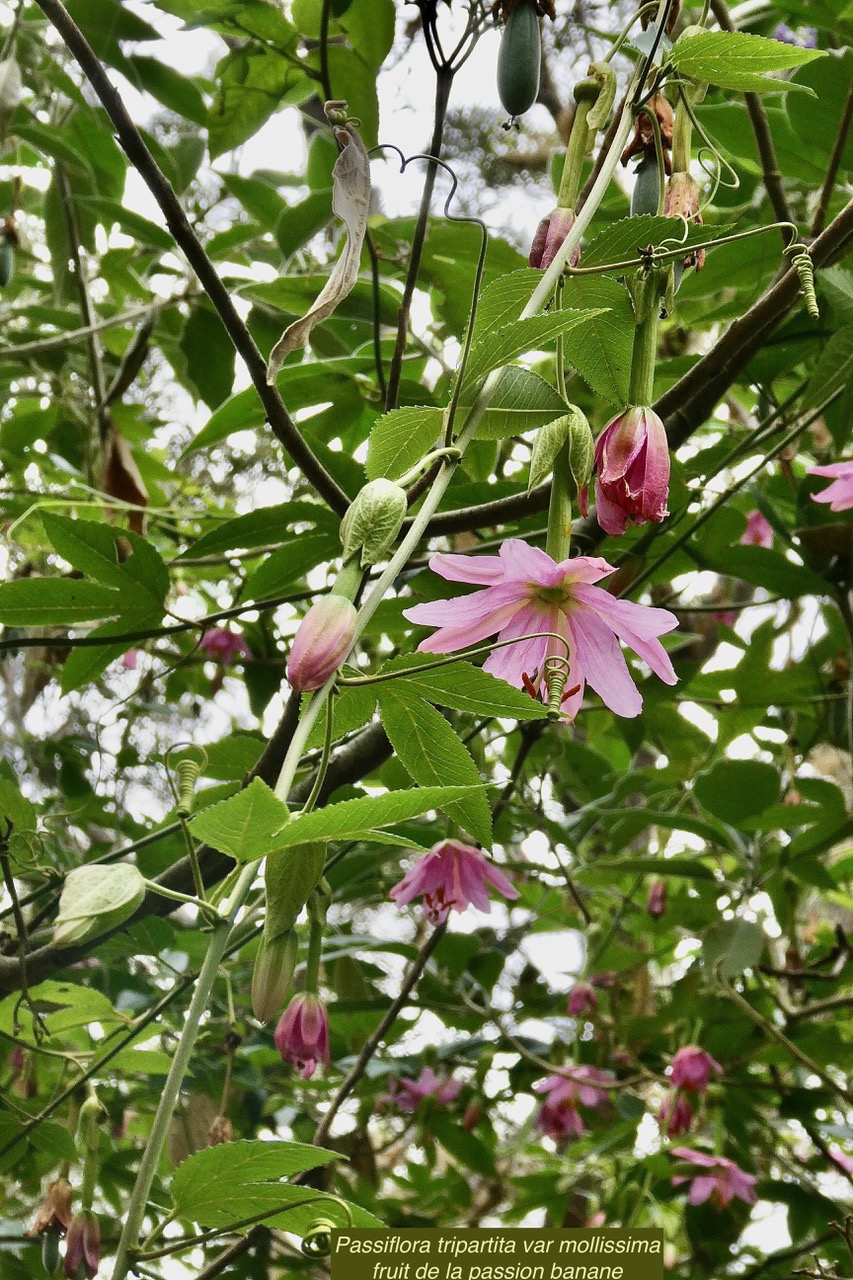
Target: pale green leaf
[
  {"x": 95, "y": 899},
  {"x": 736, "y": 60},
  {"x": 400, "y": 438},
  {"x": 522, "y": 402},
  {"x": 464, "y": 687},
  {"x": 246, "y": 825},
  {"x": 533, "y": 334},
  {"x": 55, "y": 602}
]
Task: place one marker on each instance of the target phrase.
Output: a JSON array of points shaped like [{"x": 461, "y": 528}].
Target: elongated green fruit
[
  {"x": 7, "y": 262},
  {"x": 644, "y": 198},
  {"x": 519, "y": 59}
]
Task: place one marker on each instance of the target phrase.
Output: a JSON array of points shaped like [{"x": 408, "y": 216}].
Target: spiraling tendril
[{"x": 801, "y": 260}]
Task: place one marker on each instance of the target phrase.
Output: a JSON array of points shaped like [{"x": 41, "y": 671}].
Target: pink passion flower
[
  {"x": 406, "y": 1094},
  {"x": 452, "y": 875},
  {"x": 527, "y": 593},
  {"x": 692, "y": 1067},
  {"x": 840, "y": 494},
  {"x": 559, "y": 1116},
  {"x": 716, "y": 1179},
  {"x": 302, "y": 1034},
  {"x": 224, "y": 646},
  {"x": 632, "y": 470},
  {"x": 758, "y": 531}
]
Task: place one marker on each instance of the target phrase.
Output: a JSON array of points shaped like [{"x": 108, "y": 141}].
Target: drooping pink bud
[
  {"x": 675, "y": 1115},
  {"x": 82, "y": 1246},
  {"x": 452, "y": 876},
  {"x": 758, "y": 531},
  {"x": 582, "y": 999},
  {"x": 302, "y": 1035},
  {"x": 632, "y": 470},
  {"x": 549, "y": 235},
  {"x": 656, "y": 899},
  {"x": 692, "y": 1067},
  {"x": 321, "y": 643}
]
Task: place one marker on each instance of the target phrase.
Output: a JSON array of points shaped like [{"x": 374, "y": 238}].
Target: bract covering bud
[
  {"x": 572, "y": 430},
  {"x": 273, "y": 974},
  {"x": 321, "y": 643},
  {"x": 373, "y": 521}
]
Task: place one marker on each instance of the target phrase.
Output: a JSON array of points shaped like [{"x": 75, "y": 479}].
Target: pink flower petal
[{"x": 603, "y": 663}]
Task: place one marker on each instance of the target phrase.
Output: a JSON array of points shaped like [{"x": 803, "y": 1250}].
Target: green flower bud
[
  {"x": 273, "y": 975},
  {"x": 373, "y": 521}
]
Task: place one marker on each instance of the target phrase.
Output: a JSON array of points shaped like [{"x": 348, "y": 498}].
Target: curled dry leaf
[
  {"x": 350, "y": 202},
  {"x": 121, "y": 479}
]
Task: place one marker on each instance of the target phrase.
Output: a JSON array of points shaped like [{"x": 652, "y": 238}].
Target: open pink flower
[
  {"x": 692, "y": 1067},
  {"x": 452, "y": 875},
  {"x": 527, "y": 593},
  {"x": 632, "y": 470},
  {"x": 840, "y": 494},
  {"x": 302, "y": 1034},
  {"x": 223, "y": 646},
  {"x": 406, "y": 1094},
  {"x": 559, "y": 1115},
  {"x": 720, "y": 1181},
  {"x": 758, "y": 531}
]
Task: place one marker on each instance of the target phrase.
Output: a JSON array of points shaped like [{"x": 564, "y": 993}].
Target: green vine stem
[{"x": 162, "y": 1118}]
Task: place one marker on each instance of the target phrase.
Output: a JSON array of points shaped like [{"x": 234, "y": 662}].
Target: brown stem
[
  {"x": 137, "y": 152},
  {"x": 360, "y": 1065},
  {"x": 834, "y": 165}
]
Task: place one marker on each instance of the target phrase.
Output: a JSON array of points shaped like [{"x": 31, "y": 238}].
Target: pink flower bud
[
  {"x": 549, "y": 236},
  {"x": 582, "y": 999},
  {"x": 321, "y": 643},
  {"x": 302, "y": 1035},
  {"x": 656, "y": 899},
  {"x": 692, "y": 1067},
  {"x": 675, "y": 1115},
  {"x": 632, "y": 465},
  {"x": 758, "y": 531},
  {"x": 82, "y": 1246}
]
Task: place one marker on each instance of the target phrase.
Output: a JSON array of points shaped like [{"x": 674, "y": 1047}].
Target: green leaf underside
[
  {"x": 400, "y": 439},
  {"x": 246, "y": 825},
  {"x": 464, "y": 687},
  {"x": 532, "y": 334},
  {"x": 289, "y": 880},
  {"x": 523, "y": 401},
  {"x": 433, "y": 754},
  {"x": 228, "y": 1179},
  {"x": 736, "y": 60}
]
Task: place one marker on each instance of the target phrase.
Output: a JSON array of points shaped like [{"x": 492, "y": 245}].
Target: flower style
[
  {"x": 675, "y": 1115},
  {"x": 692, "y": 1067},
  {"x": 632, "y": 470},
  {"x": 302, "y": 1034},
  {"x": 758, "y": 531},
  {"x": 82, "y": 1246},
  {"x": 559, "y": 1117},
  {"x": 406, "y": 1094},
  {"x": 452, "y": 875},
  {"x": 840, "y": 494},
  {"x": 321, "y": 643},
  {"x": 582, "y": 999},
  {"x": 224, "y": 646},
  {"x": 720, "y": 1182},
  {"x": 527, "y": 593}
]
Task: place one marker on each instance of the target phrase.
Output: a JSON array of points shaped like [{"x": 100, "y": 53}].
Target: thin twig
[
  {"x": 834, "y": 165},
  {"x": 359, "y": 1066}
]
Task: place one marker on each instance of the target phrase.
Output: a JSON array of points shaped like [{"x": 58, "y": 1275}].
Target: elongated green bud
[{"x": 273, "y": 975}]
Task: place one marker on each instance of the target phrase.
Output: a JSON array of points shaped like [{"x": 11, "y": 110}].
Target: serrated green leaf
[
  {"x": 353, "y": 819},
  {"x": 500, "y": 347},
  {"x": 432, "y": 753},
  {"x": 238, "y": 1179},
  {"x": 834, "y": 368},
  {"x": 87, "y": 545},
  {"x": 601, "y": 350},
  {"x": 245, "y": 826},
  {"x": 522, "y": 402},
  {"x": 260, "y": 528},
  {"x": 400, "y": 438},
  {"x": 464, "y": 687},
  {"x": 54, "y": 602},
  {"x": 503, "y": 301},
  {"x": 736, "y": 60}
]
